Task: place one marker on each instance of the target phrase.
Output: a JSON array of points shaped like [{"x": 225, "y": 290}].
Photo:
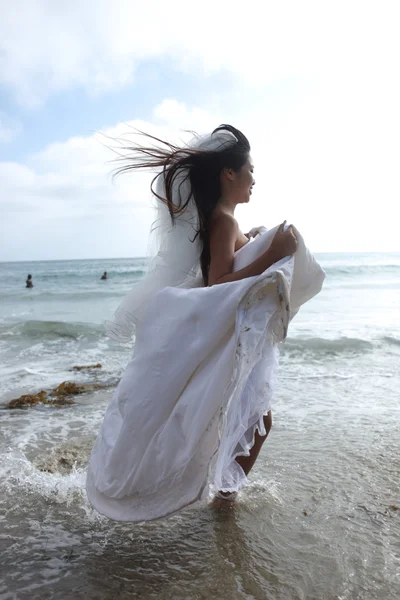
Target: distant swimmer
[
  {"x": 104, "y": 276},
  {"x": 29, "y": 282}
]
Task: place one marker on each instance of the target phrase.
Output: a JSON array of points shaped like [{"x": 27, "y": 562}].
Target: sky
[{"x": 314, "y": 85}]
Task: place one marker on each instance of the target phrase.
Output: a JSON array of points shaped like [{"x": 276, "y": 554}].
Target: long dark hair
[{"x": 203, "y": 168}]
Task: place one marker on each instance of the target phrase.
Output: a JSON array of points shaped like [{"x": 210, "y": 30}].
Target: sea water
[{"x": 320, "y": 518}]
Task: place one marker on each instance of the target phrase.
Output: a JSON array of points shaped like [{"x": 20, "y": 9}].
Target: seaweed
[
  {"x": 84, "y": 367},
  {"x": 58, "y": 396}
]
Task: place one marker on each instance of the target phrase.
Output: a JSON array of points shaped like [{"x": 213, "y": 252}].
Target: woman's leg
[{"x": 247, "y": 462}]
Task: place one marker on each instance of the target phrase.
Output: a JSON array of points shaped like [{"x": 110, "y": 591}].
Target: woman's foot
[
  {"x": 227, "y": 496},
  {"x": 224, "y": 499}
]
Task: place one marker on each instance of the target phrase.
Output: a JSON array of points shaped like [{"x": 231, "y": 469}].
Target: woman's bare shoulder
[{"x": 223, "y": 223}]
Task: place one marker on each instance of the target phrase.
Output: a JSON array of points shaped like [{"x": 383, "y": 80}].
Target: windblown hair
[{"x": 202, "y": 166}]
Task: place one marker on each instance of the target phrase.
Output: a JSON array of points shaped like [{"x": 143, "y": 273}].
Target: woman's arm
[{"x": 223, "y": 236}]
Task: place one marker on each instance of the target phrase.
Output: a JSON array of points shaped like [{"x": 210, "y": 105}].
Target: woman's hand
[
  {"x": 284, "y": 242},
  {"x": 255, "y": 232}
]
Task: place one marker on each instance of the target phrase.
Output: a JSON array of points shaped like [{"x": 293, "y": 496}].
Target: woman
[{"x": 193, "y": 406}]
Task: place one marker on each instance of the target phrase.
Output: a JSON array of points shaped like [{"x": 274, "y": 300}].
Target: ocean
[{"x": 320, "y": 519}]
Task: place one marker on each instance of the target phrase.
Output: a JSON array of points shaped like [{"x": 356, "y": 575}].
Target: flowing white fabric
[
  {"x": 200, "y": 380},
  {"x": 174, "y": 248}
]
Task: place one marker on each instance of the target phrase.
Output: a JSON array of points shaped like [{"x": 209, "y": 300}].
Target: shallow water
[{"x": 319, "y": 520}]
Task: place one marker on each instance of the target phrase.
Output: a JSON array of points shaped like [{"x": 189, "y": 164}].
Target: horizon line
[{"x": 146, "y": 257}]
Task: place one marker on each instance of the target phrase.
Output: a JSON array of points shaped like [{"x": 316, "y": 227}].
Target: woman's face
[{"x": 244, "y": 181}]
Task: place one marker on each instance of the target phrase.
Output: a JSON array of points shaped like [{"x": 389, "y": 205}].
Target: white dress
[{"x": 200, "y": 381}]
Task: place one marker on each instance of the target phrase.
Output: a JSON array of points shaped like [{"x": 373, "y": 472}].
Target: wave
[
  {"x": 354, "y": 270},
  {"x": 45, "y": 330},
  {"x": 391, "y": 340},
  {"x": 50, "y": 330},
  {"x": 62, "y": 295},
  {"x": 335, "y": 347}
]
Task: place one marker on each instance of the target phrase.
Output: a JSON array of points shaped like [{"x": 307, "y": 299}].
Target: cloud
[
  {"x": 47, "y": 48},
  {"x": 9, "y": 128},
  {"x": 63, "y": 202},
  {"x": 177, "y": 115},
  {"x": 324, "y": 165},
  {"x": 326, "y": 158}
]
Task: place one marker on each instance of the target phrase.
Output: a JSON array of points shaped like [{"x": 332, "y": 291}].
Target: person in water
[
  {"x": 193, "y": 407},
  {"x": 104, "y": 276},
  {"x": 29, "y": 282}
]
